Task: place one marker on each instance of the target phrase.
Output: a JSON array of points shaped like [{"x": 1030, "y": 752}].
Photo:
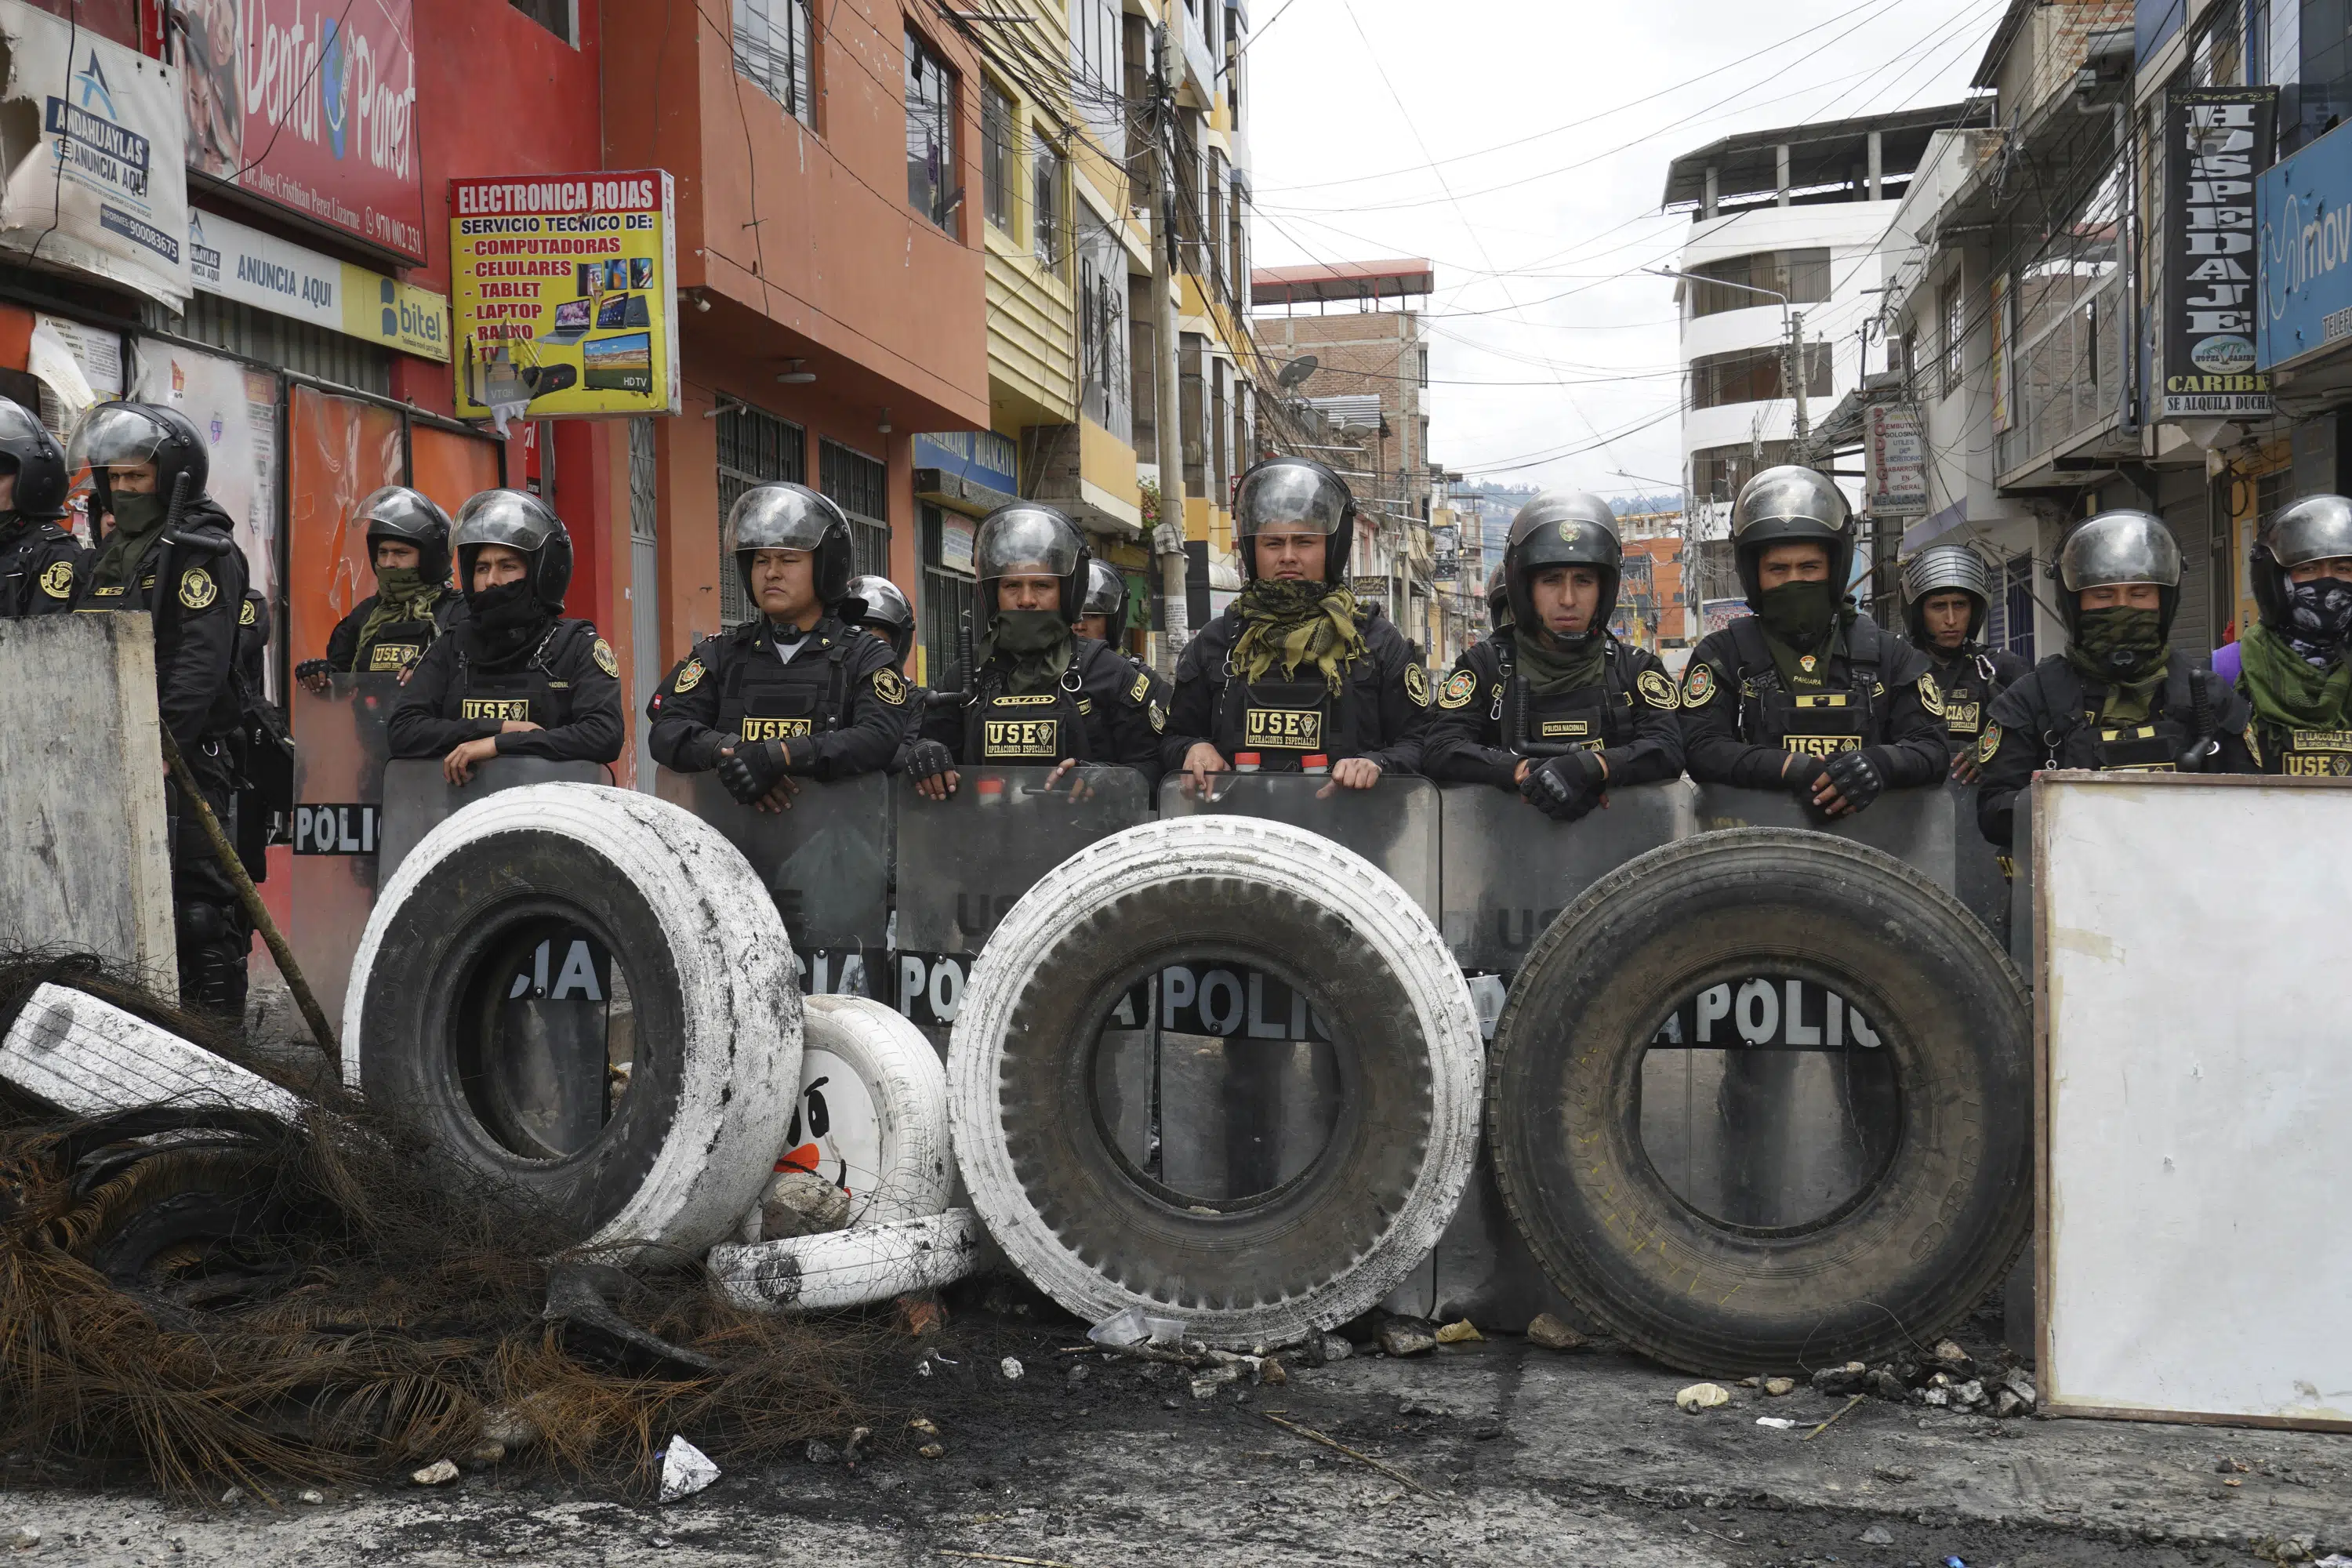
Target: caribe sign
[{"x": 312, "y": 107}]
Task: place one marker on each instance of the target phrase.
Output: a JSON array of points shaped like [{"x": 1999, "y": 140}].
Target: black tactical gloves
[
  {"x": 928, "y": 759},
  {"x": 1857, "y": 778},
  {"x": 758, "y": 765},
  {"x": 1566, "y": 786}
]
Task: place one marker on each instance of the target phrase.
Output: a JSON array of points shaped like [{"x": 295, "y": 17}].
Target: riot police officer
[
  {"x": 41, "y": 563},
  {"x": 1294, "y": 667},
  {"x": 1103, "y": 616},
  {"x": 1947, "y": 593},
  {"x": 2291, "y": 665},
  {"x": 514, "y": 678},
  {"x": 190, "y": 580},
  {"x": 1498, "y": 595},
  {"x": 2120, "y": 699},
  {"x": 796, "y": 691},
  {"x": 1808, "y": 694},
  {"x": 1040, "y": 693},
  {"x": 1554, "y": 705},
  {"x": 413, "y": 604},
  {"x": 876, "y": 605}
]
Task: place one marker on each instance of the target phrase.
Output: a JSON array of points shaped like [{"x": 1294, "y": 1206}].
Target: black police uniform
[
  {"x": 840, "y": 689},
  {"x": 2050, "y": 719},
  {"x": 565, "y": 681},
  {"x": 1741, "y": 721},
  {"x": 1103, "y": 710},
  {"x": 1381, "y": 712},
  {"x": 197, "y": 597},
  {"x": 1485, "y": 721},
  {"x": 42, "y": 566},
  {"x": 253, "y": 624},
  {"x": 1966, "y": 679},
  {"x": 396, "y": 644}
]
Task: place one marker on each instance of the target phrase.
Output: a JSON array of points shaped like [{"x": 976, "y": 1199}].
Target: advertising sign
[
  {"x": 1894, "y": 452},
  {"x": 2304, "y": 256},
  {"x": 310, "y": 107},
  {"x": 227, "y": 259},
  {"x": 2217, "y": 139},
  {"x": 234, "y": 408},
  {"x": 565, "y": 296},
  {"x": 99, "y": 187}
]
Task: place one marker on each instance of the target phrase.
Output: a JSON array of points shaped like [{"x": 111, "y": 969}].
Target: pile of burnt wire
[{"x": 206, "y": 1296}]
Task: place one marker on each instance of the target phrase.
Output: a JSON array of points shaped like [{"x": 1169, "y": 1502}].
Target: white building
[{"x": 1798, "y": 211}]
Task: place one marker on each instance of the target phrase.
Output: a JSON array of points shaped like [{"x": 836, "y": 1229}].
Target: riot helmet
[
  {"x": 1790, "y": 505},
  {"x": 1106, "y": 596},
  {"x": 1498, "y": 598},
  {"x": 409, "y": 517},
  {"x": 2116, "y": 548},
  {"x": 1562, "y": 528},
  {"x": 1023, "y": 538},
  {"x": 38, "y": 461},
  {"x": 118, "y": 435},
  {"x": 876, "y": 603},
  {"x": 791, "y": 517},
  {"x": 522, "y": 524},
  {"x": 2316, "y": 528},
  {"x": 1289, "y": 495},
  {"x": 1946, "y": 569}
]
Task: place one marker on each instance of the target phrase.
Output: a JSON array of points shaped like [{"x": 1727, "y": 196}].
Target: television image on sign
[{"x": 619, "y": 364}]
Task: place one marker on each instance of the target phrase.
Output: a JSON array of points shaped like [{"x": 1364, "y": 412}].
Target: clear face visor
[
  {"x": 1104, "y": 590},
  {"x": 1288, "y": 500},
  {"x": 2315, "y": 530},
  {"x": 506, "y": 517},
  {"x": 1791, "y": 495},
  {"x": 111, "y": 436},
  {"x": 2115, "y": 551},
  {"x": 17, "y": 424},
  {"x": 773, "y": 518},
  {"x": 399, "y": 512},
  {"x": 1026, "y": 544},
  {"x": 884, "y": 605}
]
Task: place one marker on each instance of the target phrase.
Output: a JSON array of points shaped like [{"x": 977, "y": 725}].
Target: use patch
[
  {"x": 605, "y": 659},
  {"x": 1655, "y": 689},
  {"x": 1416, "y": 685},
  {"x": 1698, "y": 685},
  {"x": 1459, "y": 688},
  {"x": 196, "y": 588},
  {"x": 1141, "y": 689}
]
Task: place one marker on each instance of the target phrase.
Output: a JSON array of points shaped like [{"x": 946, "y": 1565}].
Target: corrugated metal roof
[{"x": 1393, "y": 278}]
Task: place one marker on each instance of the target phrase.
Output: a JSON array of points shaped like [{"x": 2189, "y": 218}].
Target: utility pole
[
  {"x": 1168, "y": 539},
  {"x": 1797, "y": 371}
]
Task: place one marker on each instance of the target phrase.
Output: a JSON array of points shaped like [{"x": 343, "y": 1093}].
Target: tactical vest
[
  {"x": 398, "y": 643},
  {"x": 528, "y": 692},
  {"x": 1812, "y": 724},
  {"x": 1587, "y": 718},
  {"x": 767, "y": 699},
  {"x": 1967, "y": 686},
  {"x": 2151, "y": 746},
  {"x": 1039, "y": 729},
  {"x": 2305, "y": 753}
]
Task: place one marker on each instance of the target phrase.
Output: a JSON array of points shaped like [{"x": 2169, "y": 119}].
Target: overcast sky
[{"x": 1553, "y": 354}]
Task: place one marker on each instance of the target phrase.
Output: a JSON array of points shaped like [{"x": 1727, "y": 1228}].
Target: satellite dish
[{"x": 1296, "y": 371}]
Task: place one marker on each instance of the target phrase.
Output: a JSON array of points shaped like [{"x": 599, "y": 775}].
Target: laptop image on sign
[{"x": 571, "y": 323}]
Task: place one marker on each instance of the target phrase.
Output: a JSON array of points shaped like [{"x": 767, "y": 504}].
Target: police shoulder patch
[
  {"x": 1987, "y": 745},
  {"x": 605, "y": 659},
  {"x": 244, "y": 615},
  {"x": 1141, "y": 689},
  {"x": 57, "y": 580},
  {"x": 1459, "y": 688},
  {"x": 1159, "y": 718},
  {"x": 1417, "y": 684},
  {"x": 688, "y": 676},
  {"x": 1698, "y": 684},
  {"x": 1656, "y": 690},
  {"x": 197, "y": 589},
  {"x": 1930, "y": 698},
  {"x": 888, "y": 687}
]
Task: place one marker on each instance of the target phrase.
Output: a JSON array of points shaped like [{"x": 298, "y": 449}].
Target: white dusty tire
[
  {"x": 1330, "y": 1243},
  {"x": 90, "y": 1058},
  {"x": 849, "y": 1267},
  {"x": 715, "y": 1007},
  {"x": 872, "y": 1117}
]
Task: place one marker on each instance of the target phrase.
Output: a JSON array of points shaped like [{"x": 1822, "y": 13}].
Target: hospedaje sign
[
  {"x": 565, "y": 296},
  {"x": 2304, "y": 253},
  {"x": 2217, "y": 139}
]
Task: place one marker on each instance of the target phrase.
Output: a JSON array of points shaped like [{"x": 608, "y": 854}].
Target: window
[
  {"x": 1421, "y": 367},
  {"x": 1754, "y": 375},
  {"x": 1717, "y": 472},
  {"x": 1953, "y": 335},
  {"x": 1238, "y": 239},
  {"x": 1134, "y": 52},
  {"x": 1802, "y": 274},
  {"x": 861, "y": 487},
  {"x": 997, "y": 158},
  {"x": 1102, "y": 325},
  {"x": 2017, "y": 605},
  {"x": 2218, "y": 57},
  {"x": 773, "y": 46},
  {"x": 1046, "y": 203},
  {"x": 1233, "y": 66},
  {"x": 755, "y": 448},
  {"x": 555, "y": 16},
  {"x": 946, "y": 592},
  {"x": 931, "y": 188}
]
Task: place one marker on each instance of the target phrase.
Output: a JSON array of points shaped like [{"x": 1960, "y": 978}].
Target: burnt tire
[
  {"x": 1899, "y": 1264},
  {"x": 715, "y": 1007},
  {"x": 1096, "y": 1235}
]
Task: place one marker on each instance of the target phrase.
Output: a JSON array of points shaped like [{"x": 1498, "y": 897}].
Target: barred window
[
  {"x": 860, "y": 486},
  {"x": 773, "y": 47},
  {"x": 755, "y": 448}
]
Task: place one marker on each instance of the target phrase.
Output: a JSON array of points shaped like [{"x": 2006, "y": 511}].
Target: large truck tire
[
  {"x": 1903, "y": 1261},
  {"x": 1097, "y": 1236},
  {"x": 87, "y": 1057},
  {"x": 873, "y": 1112},
  {"x": 715, "y": 997}
]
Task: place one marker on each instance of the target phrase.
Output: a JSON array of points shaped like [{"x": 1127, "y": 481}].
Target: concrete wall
[{"x": 82, "y": 856}]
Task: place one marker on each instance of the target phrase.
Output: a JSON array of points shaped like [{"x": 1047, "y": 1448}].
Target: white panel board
[{"x": 2195, "y": 1236}]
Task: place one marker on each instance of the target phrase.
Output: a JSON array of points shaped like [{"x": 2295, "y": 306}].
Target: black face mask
[
  {"x": 501, "y": 621},
  {"x": 1798, "y": 613},
  {"x": 2319, "y": 614}
]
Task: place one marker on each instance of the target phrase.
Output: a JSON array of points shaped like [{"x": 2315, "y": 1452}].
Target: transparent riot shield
[
  {"x": 1394, "y": 824},
  {"x": 418, "y": 799},
  {"x": 1979, "y": 878},
  {"x": 825, "y": 861},
  {"x": 337, "y": 823},
  {"x": 1508, "y": 868},
  {"x": 1917, "y": 827}
]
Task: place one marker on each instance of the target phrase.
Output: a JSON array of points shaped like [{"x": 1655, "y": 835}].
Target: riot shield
[
  {"x": 825, "y": 861},
  {"x": 1508, "y": 868},
  {"x": 1978, "y": 877},
  {"x": 1917, "y": 827},
  {"x": 337, "y": 823},
  {"x": 418, "y": 799},
  {"x": 1394, "y": 824}
]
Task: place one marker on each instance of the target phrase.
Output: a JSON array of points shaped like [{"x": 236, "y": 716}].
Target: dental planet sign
[{"x": 312, "y": 107}]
